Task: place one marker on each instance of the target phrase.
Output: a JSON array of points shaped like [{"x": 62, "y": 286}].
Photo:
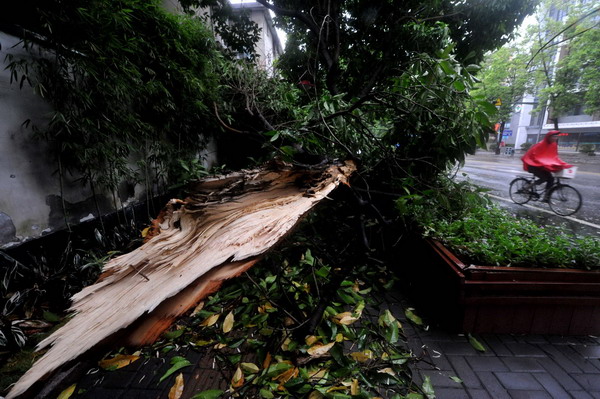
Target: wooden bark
[{"x": 219, "y": 231}]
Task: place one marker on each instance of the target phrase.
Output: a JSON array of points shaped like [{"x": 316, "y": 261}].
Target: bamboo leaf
[
  {"x": 428, "y": 388},
  {"x": 209, "y": 394},
  {"x": 413, "y": 317}
]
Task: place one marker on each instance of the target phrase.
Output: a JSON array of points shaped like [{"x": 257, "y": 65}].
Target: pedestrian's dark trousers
[{"x": 542, "y": 174}]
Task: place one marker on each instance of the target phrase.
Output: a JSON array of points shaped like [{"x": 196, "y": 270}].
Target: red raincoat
[{"x": 545, "y": 155}]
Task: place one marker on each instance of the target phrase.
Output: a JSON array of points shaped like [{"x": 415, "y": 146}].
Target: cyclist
[{"x": 542, "y": 159}]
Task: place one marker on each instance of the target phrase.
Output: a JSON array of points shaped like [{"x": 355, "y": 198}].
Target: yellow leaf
[
  {"x": 220, "y": 346},
  {"x": 145, "y": 232},
  {"x": 319, "y": 350},
  {"x": 310, "y": 340},
  {"x": 340, "y": 388},
  {"x": 117, "y": 362},
  {"x": 315, "y": 395},
  {"x": 66, "y": 394},
  {"x": 344, "y": 319},
  {"x": 288, "y": 321},
  {"x": 387, "y": 370},
  {"x": 228, "y": 323},
  {"x": 285, "y": 344},
  {"x": 267, "y": 361},
  {"x": 249, "y": 368},
  {"x": 339, "y": 337},
  {"x": 238, "y": 378},
  {"x": 286, "y": 375},
  {"x": 317, "y": 375},
  {"x": 210, "y": 320},
  {"x": 198, "y": 308},
  {"x": 362, "y": 356},
  {"x": 177, "y": 388},
  {"x": 354, "y": 389}
]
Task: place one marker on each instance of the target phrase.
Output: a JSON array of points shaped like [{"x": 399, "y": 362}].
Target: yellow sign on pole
[{"x": 498, "y": 102}]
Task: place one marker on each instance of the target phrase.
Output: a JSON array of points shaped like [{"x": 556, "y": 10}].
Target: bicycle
[{"x": 564, "y": 200}]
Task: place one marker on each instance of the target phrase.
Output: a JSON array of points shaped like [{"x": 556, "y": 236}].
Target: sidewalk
[{"x": 512, "y": 367}]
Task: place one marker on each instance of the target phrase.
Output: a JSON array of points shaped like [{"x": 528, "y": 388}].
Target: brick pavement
[{"x": 512, "y": 367}]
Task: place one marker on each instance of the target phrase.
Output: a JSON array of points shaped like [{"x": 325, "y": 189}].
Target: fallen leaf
[
  {"x": 315, "y": 395},
  {"x": 362, "y": 356},
  {"x": 319, "y": 350},
  {"x": 66, "y": 394},
  {"x": 476, "y": 344},
  {"x": 238, "y": 378},
  {"x": 413, "y": 317},
  {"x": 209, "y": 394},
  {"x": 267, "y": 361},
  {"x": 339, "y": 337},
  {"x": 210, "y": 320},
  {"x": 250, "y": 368},
  {"x": 177, "y": 389},
  {"x": 387, "y": 370},
  {"x": 228, "y": 322},
  {"x": 178, "y": 362},
  {"x": 354, "y": 388},
  {"x": 318, "y": 375},
  {"x": 198, "y": 308},
  {"x": 311, "y": 339},
  {"x": 117, "y": 362},
  {"x": 428, "y": 388},
  {"x": 344, "y": 319}
]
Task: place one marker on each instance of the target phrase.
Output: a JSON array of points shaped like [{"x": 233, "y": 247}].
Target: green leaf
[
  {"x": 392, "y": 333},
  {"x": 178, "y": 362},
  {"x": 174, "y": 334},
  {"x": 266, "y": 394},
  {"x": 456, "y": 379},
  {"x": 209, "y": 394},
  {"x": 51, "y": 317},
  {"x": 428, "y": 388},
  {"x": 413, "y": 317},
  {"x": 459, "y": 85},
  {"x": 476, "y": 344}
]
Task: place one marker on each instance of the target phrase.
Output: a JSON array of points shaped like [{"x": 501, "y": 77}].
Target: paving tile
[
  {"x": 140, "y": 394},
  {"x": 560, "y": 358},
  {"x": 486, "y": 363},
  {"x": 492, "y": 385},
  {"x": 560, "y": 375},
  {"x": 465, "y": 372},
  {"x": 449, "y": 393},
  {"x": 582, "y": 395},
  {"x": 118, "y": 379},
  {"x": 595, "y": 395},
  {"x": 518, "y": 381},
  {"x": 495, "y": 344},
  {"x": 529, "y": 395},
  {"x": 460, "y": 348},
  {"x": 525, "y": 350},
  {"x": 478, "y": 394},
  {"x": 588, "y": 351},
  {"x": 441, "y": 380},
  {"x": 585, "y": 365},
  {"x": 529, "y": 365},
  {"x": 102, "y": 393},
  {"x": 589, "y": 382},
  {"x": 551, "y": 386}
]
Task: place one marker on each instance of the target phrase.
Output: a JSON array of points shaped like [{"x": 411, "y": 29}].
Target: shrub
[
  {"x": 589, "y": 149},
  {"x": 526, "y": 146}
]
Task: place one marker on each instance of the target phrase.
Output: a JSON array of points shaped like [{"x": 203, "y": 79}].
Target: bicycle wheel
[
  {"x": 519, "y": 190},
  {"x": 564, "y": 200}
]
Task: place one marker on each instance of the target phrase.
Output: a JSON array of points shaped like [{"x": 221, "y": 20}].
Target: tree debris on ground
[{"x": 223, "y": 228}]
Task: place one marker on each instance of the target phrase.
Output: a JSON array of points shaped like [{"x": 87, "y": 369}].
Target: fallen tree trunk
[{"x": 218, "y": 232}]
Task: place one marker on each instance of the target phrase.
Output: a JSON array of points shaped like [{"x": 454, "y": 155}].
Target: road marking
[{"x": 547, "y": 211}]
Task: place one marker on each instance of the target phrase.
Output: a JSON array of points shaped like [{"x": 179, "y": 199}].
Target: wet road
[{"x": 495, "y": 172}]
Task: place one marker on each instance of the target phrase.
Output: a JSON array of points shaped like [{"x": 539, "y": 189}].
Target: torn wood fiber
[{"x": 219, "y": 231}]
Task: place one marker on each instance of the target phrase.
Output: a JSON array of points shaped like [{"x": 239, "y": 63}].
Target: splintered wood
[{"x": 220, "y": 231}]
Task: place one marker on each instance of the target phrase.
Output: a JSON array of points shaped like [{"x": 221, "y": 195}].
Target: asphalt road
[{"x": 495, "y": 172}]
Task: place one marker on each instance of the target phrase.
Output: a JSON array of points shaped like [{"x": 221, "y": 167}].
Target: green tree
[
  {"x": 504, "y": 76},
  {"x": 562, "y": 60}
]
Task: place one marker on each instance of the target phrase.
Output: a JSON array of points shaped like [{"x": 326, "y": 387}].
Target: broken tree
[{"x": 222, "y": 229}]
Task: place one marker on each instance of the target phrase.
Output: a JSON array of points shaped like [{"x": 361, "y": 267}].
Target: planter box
[{"x": 487, "y": 299}]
